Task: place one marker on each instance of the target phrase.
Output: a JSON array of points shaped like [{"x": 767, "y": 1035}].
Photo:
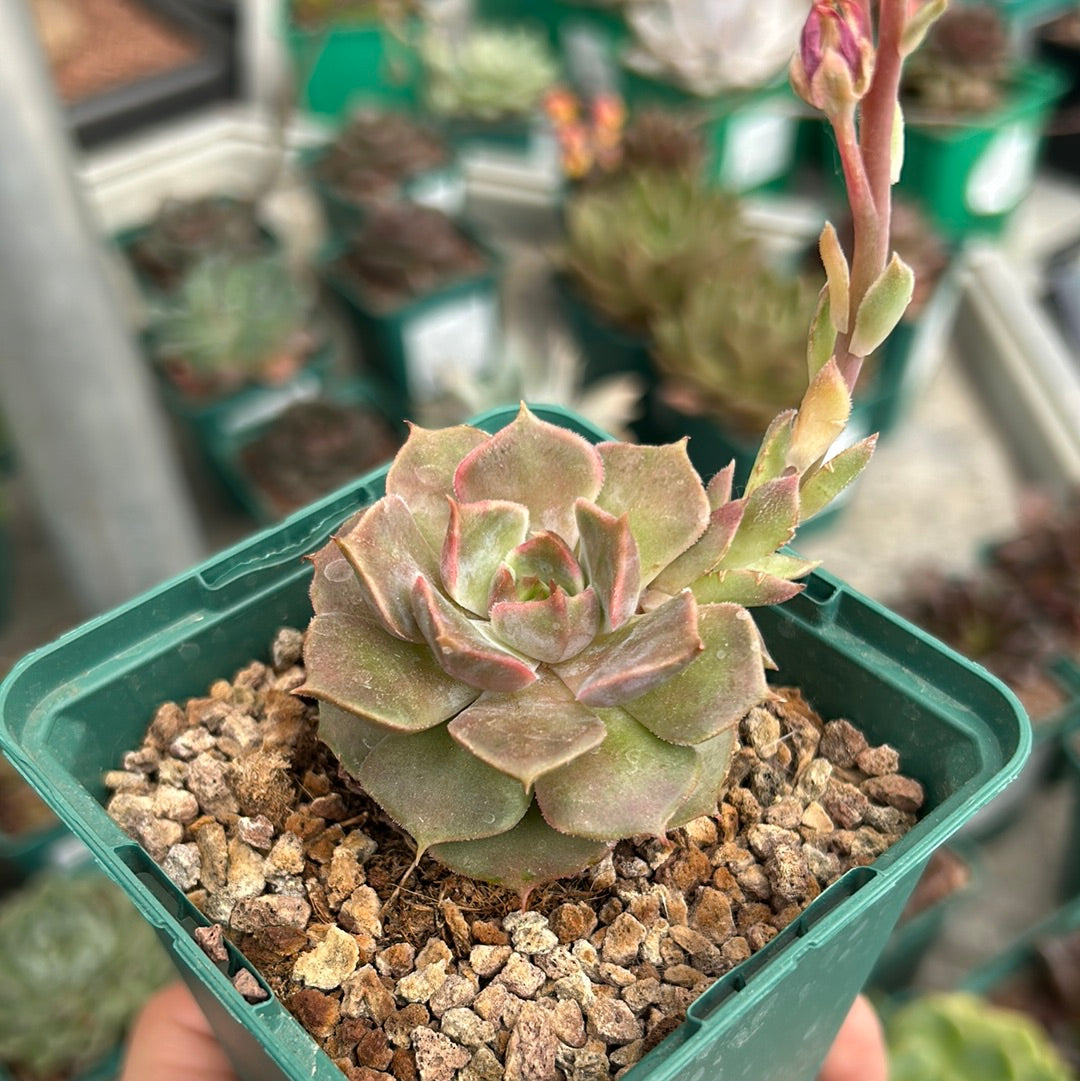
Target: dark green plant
[
  {"x": 78, "y": 964},
  {"x": 664, "y": 141}
]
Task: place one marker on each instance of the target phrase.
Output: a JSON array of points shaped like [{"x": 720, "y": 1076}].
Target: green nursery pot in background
[{"x": 68, "y": 711}]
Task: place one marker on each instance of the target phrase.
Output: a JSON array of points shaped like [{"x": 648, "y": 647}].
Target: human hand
[
  {"x": 858, "y": 1052},
  {"x": 172, "y": 1041}
]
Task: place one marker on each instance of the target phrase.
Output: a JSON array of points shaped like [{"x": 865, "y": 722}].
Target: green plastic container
[
  {"x": 457, "y": 323},
  {"x": 344, "y": 65},
  {"x": 68, "y": 711},
  {"x": 556, "y": 17},
  {"x": 970, "y": 177},
  {"x": 1070, "y": 746},
  {"x": 751, "y": 137}
]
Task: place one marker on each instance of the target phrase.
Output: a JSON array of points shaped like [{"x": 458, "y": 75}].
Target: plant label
[{"x": 450, "y": 344}]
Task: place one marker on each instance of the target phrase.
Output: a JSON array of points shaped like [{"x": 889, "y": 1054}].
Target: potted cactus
[
  {"x": 236, "y": 342},
  {"x": 531, "y": 648},
  {"x": 975, "y": 121},
  {"x": 421, "y": 293},
  {"x": 380, "y": 154},
  {"x": 485, "y": 85},
  {"x": 78, "y": 964}
]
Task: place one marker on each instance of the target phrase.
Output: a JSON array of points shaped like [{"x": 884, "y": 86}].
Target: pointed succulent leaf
[
  {"x": 704, "y": 555},
  {"x": 478, "y": 538},
  {"x": 350, "y": 737},
  {"x": 437, "y": 791},
  {"x": 715, "y": 757},
  {"x": 646, "y": 652},
  {"x": 529, "y": 733},
  {"x": 334, "y": 585},
  {"x": 821, "y": 340},
  {"x": 715, "y": 691},
  {"x": 422, "y": 473},
  {"x": 609, "y": 557},
  {"x": 718, "y": 490},
  {"x": 661, "y": 493},
  {"x": 352, "y": 663},
  {"x": 783, "y": 565},
  {"x": 632, "y": 783},
  {"x": 832, "y": 477},
  {"x": 920, "y": 20},
  {"x": 882, "y": 307},
  {"x": 771, "y": 460},
  {"x": 524, "y": 857},
  {"x": 550, "y": 630},
  {"x": 821, "y": 417},
  {"x": 464, "y": 648},
  {"x": 838, "y": 278},
  {"x": 768, "y": 523},
  {"x": 546, "y": 556},
  {"x": 388, "y": 553},
  {"x": 744, "y": 586},
  {"x": 537, "y": 464}
]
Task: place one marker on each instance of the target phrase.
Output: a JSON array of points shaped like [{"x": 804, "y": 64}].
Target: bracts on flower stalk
[{"x": 532, "y": 647}]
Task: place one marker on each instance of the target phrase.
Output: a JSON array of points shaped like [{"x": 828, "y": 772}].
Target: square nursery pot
[
  {"x": 68, "y": 711},
  {"x": 208, "y": 77},
  {"x": 971, "y": 175},
  {"x": 344, "y": 64},
  {"x": 751, "y": 136},
  {"x": 456, "y": 325}
]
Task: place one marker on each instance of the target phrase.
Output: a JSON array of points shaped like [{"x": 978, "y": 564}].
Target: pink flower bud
[{"x": 832, "y": 69}]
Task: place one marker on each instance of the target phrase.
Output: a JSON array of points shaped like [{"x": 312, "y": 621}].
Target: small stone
[
  {"x": 246, "y": 877},
  {"x": 568, "y": 1022},
  {"x": 824, "y": 866},
  {"x": 271, "y": 910},
  {"x": 287, "y": 648},
  {"x": 887, "y": 819},
  {"x": 397, "y": 960},
  {"x": 360, "y": 912},
  {"x": 760, "y": 935},
  {"x": 496, "y": 1004},
  {"x": 814, "y": 780},
  {"x": 603, "y": 874},
  {"x": 790, "y": 876},
  {"x": 183, "y": 865},
  {"x": 331, "y": 807},
  {"x": 786, "y": 812},
  {"x": 530, "y": 1053},
  {"x": 628, "y": 1054},
  {"x": 762, "y": 732},
  {"x": 213, "y": 850},
  {"x": 622, "y": 940},
  {"x": 486, "y": 961},
  {"x": 631, "y": 867},
  {"x": 615, "y": 975},
  {"x": 764, "y": 838},
  {"x": 158, "y": 835},
  {"x": 642, "y": 994},
  {"x": 903, "y": 793},
  {"x": 644, "y": 907},
  {"x": 345, "y": 876},
  {"x": 437, "y": 1056},
  {"x": 768, "y": 784},
  {"x": 815, "y": 818},
  {"x": 687, "y": 869},
  {"x": 457, "y": 991},
  {"x": 701, "y": 831},
  {"x": 434, "y": 952},
  {"x": 746, "y": 806},
  {"x": 365, "y": 996},
  {"x": 241, "y": 731},
  {"x": 374, "y": 1051},
  {"x": 845, "y": 804},
  {"x": 611, "y": 1020},
  {"x": 257, "y": 832},
  {"x": 401, "y": 1024},
  {"x": 317, "y": 1012},
  {"x": 532, "y": 935},
  {"x": 168, "y": 722},
  {"x": 420, "y": 985},
  {"x": 207, "y": 780},
  {"x": 572, "y": 921},
  {"x": 584, "y": 1064},
  {"x": 841, "y": 743},
  {"x": 249, "y": 986},
  {"x": 465, "y": 1027},
  {"x": 211, "y": 941},
  {"x": 703, "y": 953},
  {"x": 173, "y": 772},
  {"x": 331, "y": 962},
  {"x": 711, "y": 915},
  {"x": 877, "y": 761},
  {"x": 557, "y": 963},
  {"x": 483, "y": 1066},
  {"x": 286, "y": 856},
  {"x": 754, "y": 883},
  {"x": 457, "y": 925},
  {"x": 487, "y": 933},
  {"x": 191, "y": 743},
  {"x": 520, "y": 976},
  {"x": 735, "y": 951},
  {"x": 122, "y": 780},
  {"x": 577, "y": 987}
]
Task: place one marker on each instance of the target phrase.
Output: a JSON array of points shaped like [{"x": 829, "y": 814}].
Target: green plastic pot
[
  {"x": 557, "y": 17},
  {"x": 458, "y": 323},
  {"x": 971, "y": 176},
  {"x": 343, "y": 65},
  {"x": 68, "y": 711},
  {"x": 751, "y": 137},
  {"x": 1070, "y": 747}
]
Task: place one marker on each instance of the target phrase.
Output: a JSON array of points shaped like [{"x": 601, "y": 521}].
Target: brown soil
[
  {"x": 98, "y": 45},
  {"x": 432, "y": 977}
]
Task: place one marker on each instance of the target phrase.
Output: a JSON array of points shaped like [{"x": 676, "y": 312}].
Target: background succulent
[
  {"x": 635, "y": 247},
  {"x": 492, "y": 74},
  {"x": 962, "y": 1037},
  {"x": 78, "y": 963},
  {"x": 663, "y": 141},
  {"x": 532, "y": 647},
  {"x": 403, "y": 251},
  {"x": 376, "y": 151}
]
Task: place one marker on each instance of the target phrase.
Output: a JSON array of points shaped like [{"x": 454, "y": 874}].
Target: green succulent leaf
[
  {"x": 711, "y": 694},
  {"x": 334, "y": 585},
  {"x": 821, "y": 340},
  {"x": 882, "y": 307},
  {"x": 632, "y": 783},
  {"x": 703, "y": 556},
  {"x": 352, "y": 738},
  {"x": 661, "y": 493},
  {"x": 609, "y": 556},
  {"x": 388, "y": 553},
  {"x": 422, "y": 474},
  {"x": 820, "y": 419},
  {"x": 745, "y": 586},
  {"x": 550, "y": 630},
  {"x": 545, "y": 556},
  {"x": 718, "y": 490},
  {"x": 542, "y": 467},
  {"x": 838, "y": 276},
  {"x": 526, "y": 856},
  {"x": 437, "y": 791},
  {"x": 649, "y": 650},
  {"x": 827, "y": 482},
  {"x": 478, "y": 537},
  {"x": 354, "y": 664},
  {"x": 771, "y": 461},
  {"x": 464, "y": 648},
  {"x": 529, "y": 733},
  {"x": 714, "y": 756},
  {"x": 768, "y": 522}
]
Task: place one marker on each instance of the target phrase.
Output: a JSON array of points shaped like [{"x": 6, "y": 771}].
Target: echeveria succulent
[{"x": 532, "y": 647}]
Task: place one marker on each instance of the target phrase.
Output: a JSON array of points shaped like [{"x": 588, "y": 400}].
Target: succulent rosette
[{"x": 532, "y": 646}]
